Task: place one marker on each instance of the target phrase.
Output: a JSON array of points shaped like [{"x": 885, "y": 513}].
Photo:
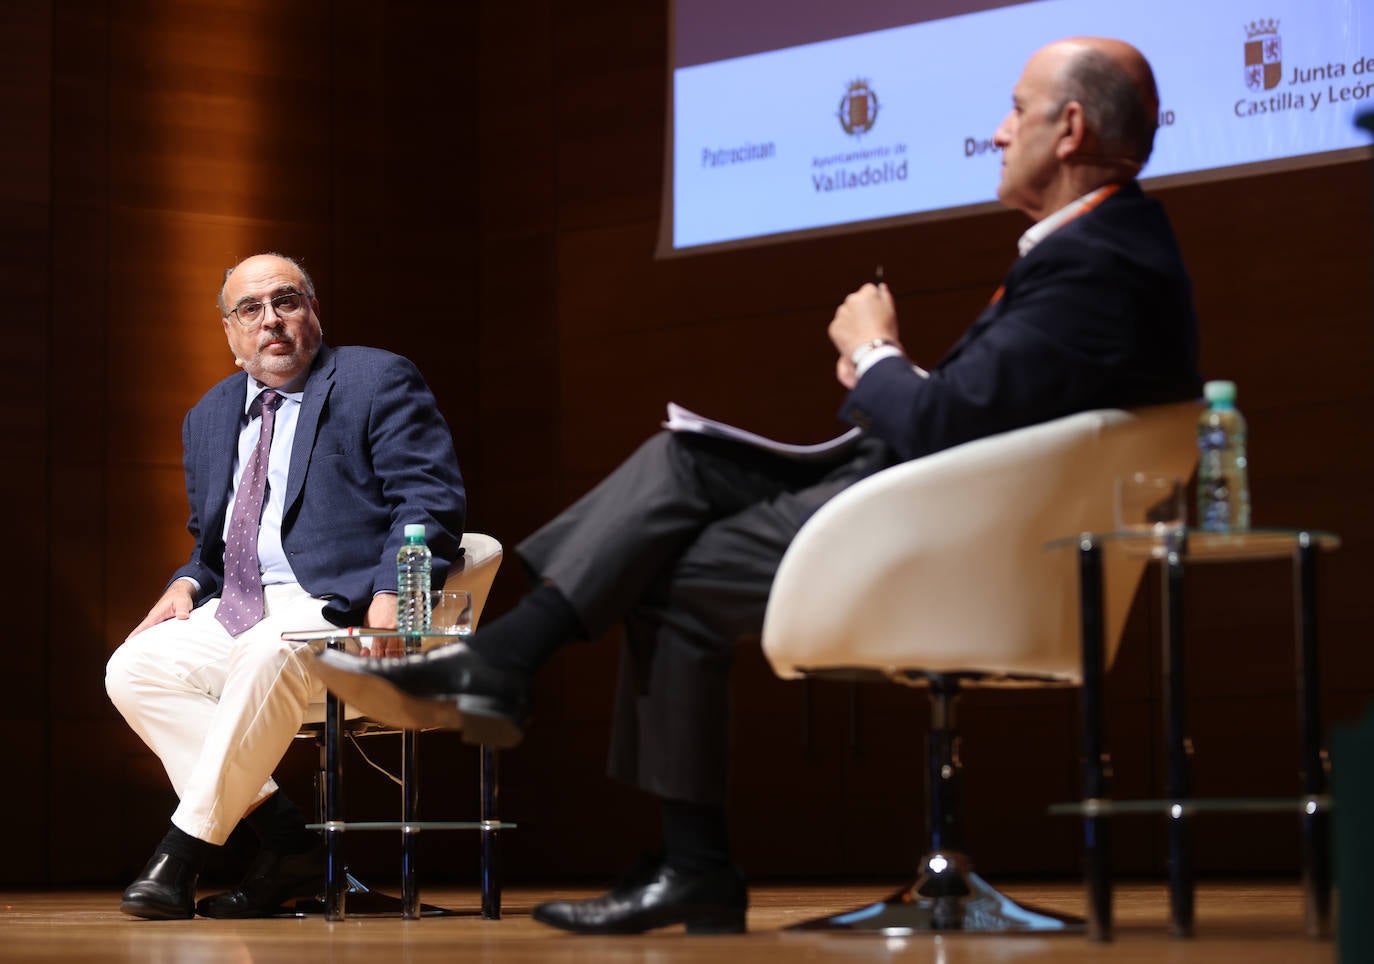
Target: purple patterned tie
[{"x": 240, "y": 605}]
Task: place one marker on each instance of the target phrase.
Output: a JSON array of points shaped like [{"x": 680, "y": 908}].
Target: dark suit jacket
[
  {"x": 1097, "y": 315},
  {"x": 371, "y": 453}
]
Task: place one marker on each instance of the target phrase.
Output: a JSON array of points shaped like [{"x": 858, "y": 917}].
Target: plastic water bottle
[
  {"x": 413, "y": 563},
  {"x": 1223, "y": 491}
]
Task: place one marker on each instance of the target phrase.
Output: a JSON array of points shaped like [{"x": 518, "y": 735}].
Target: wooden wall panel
[
  {"x": 419, "y": 296},
  {"x": 26, "y": 281},
  {"x": 24, "y": 169},
  {"x": 183, "y": 138},
  {"x": 608, "y": 68},
  {"x": 477, "y": 186},
  {"x": 216, "y": 108},
  {"x": 517, "y": 344}
]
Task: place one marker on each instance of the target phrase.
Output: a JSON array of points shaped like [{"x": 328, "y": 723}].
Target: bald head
[
  {"x": 307, "y": 285},
  {"x": 1083, "y": 115},
  {"x": 1116, "y": 87}
]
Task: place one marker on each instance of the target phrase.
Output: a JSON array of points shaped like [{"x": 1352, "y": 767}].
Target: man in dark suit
[
  {"x": 301, "y": 472},
  {"x": 682, "y": 541}
]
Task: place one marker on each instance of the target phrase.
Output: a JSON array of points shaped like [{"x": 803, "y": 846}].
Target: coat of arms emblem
[
  {"x": 858, "y": 108},
  {"x": 1263, "y": 55}
]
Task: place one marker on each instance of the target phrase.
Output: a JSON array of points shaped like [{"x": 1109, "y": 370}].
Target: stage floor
[{"x": 1247, "y": 923}]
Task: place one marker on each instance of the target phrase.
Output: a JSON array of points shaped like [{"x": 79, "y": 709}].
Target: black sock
[
  {"x": 695, "y": 839},
  {"x": 280, "y": 826},
  {"x": 182, "y": 845},
  {"x": 522, "y": 639}
]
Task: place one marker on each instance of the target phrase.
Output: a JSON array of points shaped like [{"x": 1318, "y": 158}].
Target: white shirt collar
[
  {"x": 1046, "y": 226},
  {"x": 293, "y": 390}
]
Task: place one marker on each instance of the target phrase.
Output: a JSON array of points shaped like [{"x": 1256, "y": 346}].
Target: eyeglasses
[{"x": 249, "y": 314}]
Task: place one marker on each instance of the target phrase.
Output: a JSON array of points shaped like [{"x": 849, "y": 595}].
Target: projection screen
[{"x": 790, "y": 117}]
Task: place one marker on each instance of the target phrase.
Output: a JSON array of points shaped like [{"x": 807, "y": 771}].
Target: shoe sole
[
  {"x": 703, "y": 922},
  {"x": 305, "y": 888},
  {"x": 154, "y": 912},
  {"x": 730, "y": 923},
  {"x": 482, "y": 720}
]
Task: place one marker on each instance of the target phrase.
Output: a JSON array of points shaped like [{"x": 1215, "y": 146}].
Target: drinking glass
[
  {"x": 451, "y": 612},
  {"x": 1149, "y": 503}
]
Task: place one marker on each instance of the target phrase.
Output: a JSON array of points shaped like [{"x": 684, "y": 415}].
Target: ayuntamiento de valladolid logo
[
  {"x": 858, "y": 108},
  {"x": 866, "y": 166}
]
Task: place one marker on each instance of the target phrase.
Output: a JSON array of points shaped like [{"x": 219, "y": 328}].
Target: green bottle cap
[
  {"x": 415, "y": 532},
  {"x": 1220, "y": 393}
]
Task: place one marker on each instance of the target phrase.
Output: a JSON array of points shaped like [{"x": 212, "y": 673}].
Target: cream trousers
[{"x": 219, "y": 712}]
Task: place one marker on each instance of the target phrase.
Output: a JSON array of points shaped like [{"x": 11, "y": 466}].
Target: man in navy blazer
[
  {"x": 354, "y": 449},
  {"x": 1097, "y": 314},
  {"x": 682, "y": 540}
]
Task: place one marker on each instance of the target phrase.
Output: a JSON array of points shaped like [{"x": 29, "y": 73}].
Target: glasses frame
[{"x": 264, "y": 303}]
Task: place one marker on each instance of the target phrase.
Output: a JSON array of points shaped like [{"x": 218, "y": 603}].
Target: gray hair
[
  {"x": 306, "y": 281},
  {"x": 1122, "y": 112}
]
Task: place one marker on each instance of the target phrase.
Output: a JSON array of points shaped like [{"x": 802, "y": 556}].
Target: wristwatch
[{"x": 858, "y": 354}]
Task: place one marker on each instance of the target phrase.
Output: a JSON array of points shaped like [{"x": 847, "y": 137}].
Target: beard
[{"x": 278, "y": 366}]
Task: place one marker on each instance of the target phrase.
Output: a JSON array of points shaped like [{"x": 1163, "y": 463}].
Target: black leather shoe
[
  {"x": 656, "y": 895},
  {"x": 271, "y": 881},
  {"x": 166, "y": 890},
  {"x": 450, "y": 688}
]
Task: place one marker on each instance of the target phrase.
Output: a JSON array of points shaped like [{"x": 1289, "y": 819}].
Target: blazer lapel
[
  {"x": 317, "y": 389},
  {"x": 993, "y": 311},
  {"x": 987, "y": 317}
]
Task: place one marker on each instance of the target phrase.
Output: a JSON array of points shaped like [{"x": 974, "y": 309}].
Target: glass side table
[
  {"x": 1172, "y": 550},
  {"x": 337, "y": 880}
]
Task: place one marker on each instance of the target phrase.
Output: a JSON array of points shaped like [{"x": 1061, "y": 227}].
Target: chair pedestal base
[
  {"x": 361, "y": 901},
  {"x": 946, "y": 896}
]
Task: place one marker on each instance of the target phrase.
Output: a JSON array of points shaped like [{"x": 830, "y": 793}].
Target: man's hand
[
  {"x": 381, "y": 614},
  {"x": 864, "y": 315},
  {"x": 176, "y": 603}
]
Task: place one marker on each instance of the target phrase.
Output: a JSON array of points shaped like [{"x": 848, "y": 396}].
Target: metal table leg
[
  {"x": 1096, "y": 834},
  {"x": 491, "y": 836},
  {"x": 1179, "y": 747},
  {"x": 410, "y": 805},
  {"x": 336, "y": 875},
  {"x": 1316, "y": 841},
  {"x": 410, "y": 810},
  {"x": 340, "y": 886}
]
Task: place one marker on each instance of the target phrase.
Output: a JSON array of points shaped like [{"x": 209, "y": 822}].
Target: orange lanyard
[{"x": 1090, "y": 202}]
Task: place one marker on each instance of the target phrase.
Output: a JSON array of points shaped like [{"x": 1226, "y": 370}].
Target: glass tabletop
[
  {"x": 1103, "y": 807},
  {"x": 414, "y": 826},
  {"x": 1204, "y": 544},
  {"x": 356, "y": 638}
]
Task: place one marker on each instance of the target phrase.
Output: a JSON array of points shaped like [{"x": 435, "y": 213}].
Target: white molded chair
[
  {"x": 935, "y": 572},
  {"x": 475, "y": 573}
]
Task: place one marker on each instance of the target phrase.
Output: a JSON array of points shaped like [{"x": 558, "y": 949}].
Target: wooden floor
[{"x": 1245, "y": 923}]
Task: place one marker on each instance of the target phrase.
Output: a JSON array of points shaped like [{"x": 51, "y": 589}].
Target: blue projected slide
[{"x": 897, "y": 122}]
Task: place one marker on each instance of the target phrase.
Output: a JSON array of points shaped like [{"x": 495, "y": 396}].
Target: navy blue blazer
[
  {"x": 1097, "y": 315},
  {"x": 371, "y": 454}
]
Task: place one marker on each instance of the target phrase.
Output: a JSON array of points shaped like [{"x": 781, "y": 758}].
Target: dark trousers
[{"x": 681, "y": 542}]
